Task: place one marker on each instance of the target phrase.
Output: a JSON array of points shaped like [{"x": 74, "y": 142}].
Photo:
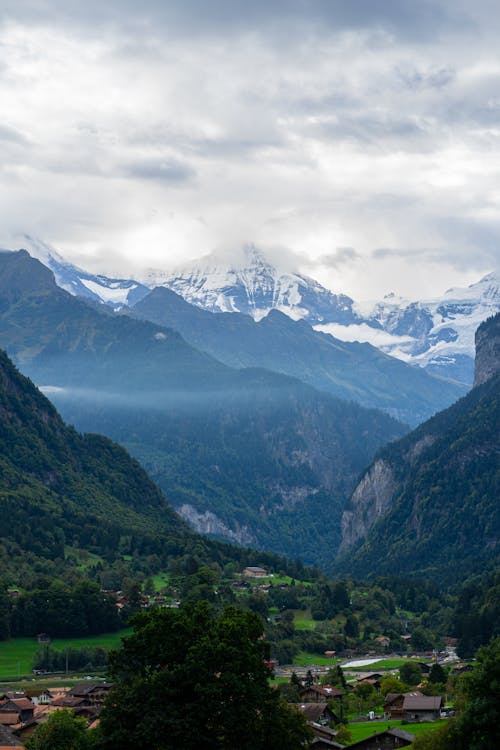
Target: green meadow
[
  {"x": 17, "y": 654},
  {"x": 363, "y": 729}
]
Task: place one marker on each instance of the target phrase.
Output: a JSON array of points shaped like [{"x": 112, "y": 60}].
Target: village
[
  {"x": 363, "y": 708},
  {"x": 323, "y": 705}
]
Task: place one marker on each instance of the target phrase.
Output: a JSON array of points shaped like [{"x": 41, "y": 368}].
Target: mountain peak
[{"x": 247, "y": 281}]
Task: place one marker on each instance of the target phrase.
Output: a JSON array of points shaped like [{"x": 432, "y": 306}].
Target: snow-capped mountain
[
  {"x": 114, "y": 292},
  {"x": 250, "y": 284},
  {"x": 436, "y": 334}
]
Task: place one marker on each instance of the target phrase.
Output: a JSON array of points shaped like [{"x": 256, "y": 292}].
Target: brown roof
[
  {"x": 320, "y": 743},
  {"x": 399, "y": 733},
  {"x": 9, "y": 718},
  {"x": 23, "y": 703},
  {"x": 327, "y": 690},
  {"x": 84, "y": 688},
  {"x": 312, "y": 711},
  {"x": 415, "y": 702},
  {"x": 66, "y": 701},
  {"x": 391, "y": 697}
]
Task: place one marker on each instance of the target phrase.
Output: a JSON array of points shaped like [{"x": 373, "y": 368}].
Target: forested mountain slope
[
  {"x": 59, "y": 489},
  {"x": 249, "y": 455},
  {"x": 430, "y": 502},
  {"x": 352, "y": 371}
]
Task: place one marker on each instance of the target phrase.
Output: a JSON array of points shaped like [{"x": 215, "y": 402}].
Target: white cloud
[
  {"x": 363, "y": 333},
  {"x": 150, "y": 134}
]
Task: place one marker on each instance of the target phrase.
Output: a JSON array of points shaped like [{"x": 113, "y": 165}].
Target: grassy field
[
  {"x": 305, "y": 659},
  {"x": 364, "y": 729},
  {"x": 394, "y": 663},
  {"x": 160, "y": 580},
  {"x": 303, "y": 620},
  {"x": 16, "y": 655}
]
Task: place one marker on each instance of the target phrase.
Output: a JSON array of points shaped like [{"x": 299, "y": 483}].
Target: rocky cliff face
[
  {"x": 375, "y": 493},
  {"x": 370, "y": 500},
  {"x": 487, "y": 350},
  {"x": 429, "y": 502}
]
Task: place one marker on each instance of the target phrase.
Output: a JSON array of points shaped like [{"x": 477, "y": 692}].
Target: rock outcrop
[
  {"x": 487, "y": 350},
  {"x": 370, "y": 500}
]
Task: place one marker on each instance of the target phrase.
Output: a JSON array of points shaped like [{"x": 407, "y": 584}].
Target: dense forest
[
  {"x": 248, "y": 455},
  {"x": 443, "y": 516}
]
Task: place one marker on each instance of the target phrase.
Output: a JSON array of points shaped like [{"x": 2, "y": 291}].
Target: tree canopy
[
  {"x": 62, "y": 731},
  {"x": 188, "y": 678}
]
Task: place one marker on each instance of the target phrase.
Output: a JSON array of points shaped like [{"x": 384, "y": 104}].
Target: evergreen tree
[{"x": 437, "y": 674}]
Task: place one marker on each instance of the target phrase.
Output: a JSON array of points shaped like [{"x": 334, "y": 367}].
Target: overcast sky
[{"x": 358, "y": 140}]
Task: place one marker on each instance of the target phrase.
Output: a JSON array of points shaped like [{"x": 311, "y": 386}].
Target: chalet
[
  {"x": 69, "y": 701},
  {"x": 93, "y": 693},
  {"x": 363, "y": 676},
  {"x": 320, "y": 694},
  {"x": 318, "y": 713},
  {"x": 389, "y": 739},
  {"x": 383, "y": 641},
  {"x": 16, "y": 711},
  {"x": 8, "y": 740},
  {"x": 422, "y": 707},
  {"x": 321, "y": 743},
  {"x": 393, "y": 705},
  {"x": 255, "y": 572},
  {"x": 372, "y": 678},
  {"x": 323, "y": 731}
]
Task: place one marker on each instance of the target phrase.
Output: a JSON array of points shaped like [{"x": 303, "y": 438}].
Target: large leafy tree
[
  {"x": 62, "y": 731},
  {"x": 188, "y": 678}
]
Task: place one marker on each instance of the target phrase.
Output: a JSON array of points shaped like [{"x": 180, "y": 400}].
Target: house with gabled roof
[
  {"x": 320, "y": 693},
  {"x": 389, "y": 739},
  {"x": 253, "y": 571},
  {"x": 422, "y": 707},
  {"x": 319, "y": 713},
  {"x": 16, "y": 711},
  {"x": 393, "y": 705},
  {"x": 94, "y": 693}
]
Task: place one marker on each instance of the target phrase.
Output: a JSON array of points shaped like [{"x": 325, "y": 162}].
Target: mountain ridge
[
  {"x": 436, "y": 335},
  {"x": 351, "y": 371},
  {"x": 428, "y": 503},
  {"x": 259, "y": 450}
]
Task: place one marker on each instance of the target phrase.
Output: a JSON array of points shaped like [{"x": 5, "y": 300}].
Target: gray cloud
[
  {"x": 402, "y": 17},
  {"x": 339, "y": 258},
  {"x": 12, "y": 135},
  {"x": 181, "y": 126},
  {"x": 164, "y": 170}
]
